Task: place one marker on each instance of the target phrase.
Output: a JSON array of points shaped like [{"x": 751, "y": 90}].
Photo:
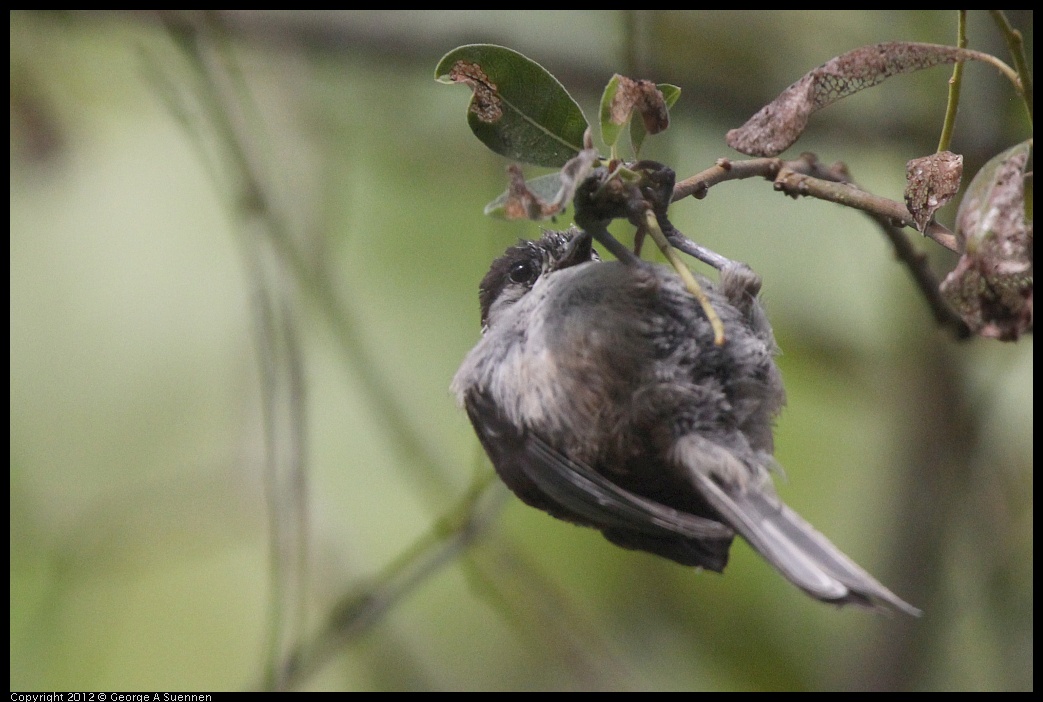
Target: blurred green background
[{"x": 141, "y": 544}]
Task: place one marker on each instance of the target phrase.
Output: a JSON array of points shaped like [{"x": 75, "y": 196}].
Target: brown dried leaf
[
  {"x": 931, "y": 182},
  {"x": 643, "y": 96},
  {"x": 520, "y": 202},
  {"x": 991, "y": 286},
  {"x": 781, "y": 122}
]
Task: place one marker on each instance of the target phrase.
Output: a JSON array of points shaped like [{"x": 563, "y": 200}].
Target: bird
[{"x": 600, "y": 396}]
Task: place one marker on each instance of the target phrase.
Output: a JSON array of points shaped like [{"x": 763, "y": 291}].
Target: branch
[
  {"x": 725, "y": 169},
  {"x": 797, "y": 184},
  {"x": 806, "y": 176}
]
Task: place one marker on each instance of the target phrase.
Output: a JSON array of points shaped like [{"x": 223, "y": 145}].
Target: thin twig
[
  {"x": 359, "y": 610},
  {"x": 806, "y": 176},
  {"x": 1016, "y": 44},
  {"x": 955, "y": 83},
  {"x": 699, "y": 184},
  {"x": 797, "y": 184}
]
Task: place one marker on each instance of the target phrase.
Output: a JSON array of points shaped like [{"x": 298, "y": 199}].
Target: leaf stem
[{"x": 1003, "y": 68}]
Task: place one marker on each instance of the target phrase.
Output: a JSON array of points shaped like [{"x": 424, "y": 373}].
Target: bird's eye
[{"x": 524, "y": 272}]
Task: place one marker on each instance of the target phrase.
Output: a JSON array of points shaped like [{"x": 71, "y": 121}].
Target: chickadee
[{"x": 600, "y": 397}]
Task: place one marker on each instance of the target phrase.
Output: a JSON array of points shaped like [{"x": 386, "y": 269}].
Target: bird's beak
[{"x": 578, "y": 251}]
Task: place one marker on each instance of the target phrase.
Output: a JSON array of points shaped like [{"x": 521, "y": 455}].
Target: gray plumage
[{"x": 601, "y": 398}]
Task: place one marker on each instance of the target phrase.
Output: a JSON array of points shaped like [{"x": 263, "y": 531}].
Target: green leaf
[
  {"x": 518, "y": 109},
  {"x": 671, "y": 93},
  {"x": 609, "y": 129}
]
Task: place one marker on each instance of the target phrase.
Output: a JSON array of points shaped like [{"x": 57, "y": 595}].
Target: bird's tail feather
[{"x": 795, "y": 548}]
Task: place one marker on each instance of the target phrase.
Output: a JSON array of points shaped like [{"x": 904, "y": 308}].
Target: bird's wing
[
  {"x": 545, "y": 478},
  {"x": 587, "y": 492}
]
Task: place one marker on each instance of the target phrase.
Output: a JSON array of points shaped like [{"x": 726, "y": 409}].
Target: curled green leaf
[{"x": 518, "y": 109}]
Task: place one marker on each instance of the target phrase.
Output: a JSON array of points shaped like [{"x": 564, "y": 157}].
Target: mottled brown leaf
[
  {"x": 781, "y": 122},
  {"x": 930, "y": 183},
  {"x": 991, "y": 286},
  {"x": 643, "y": 96}
]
